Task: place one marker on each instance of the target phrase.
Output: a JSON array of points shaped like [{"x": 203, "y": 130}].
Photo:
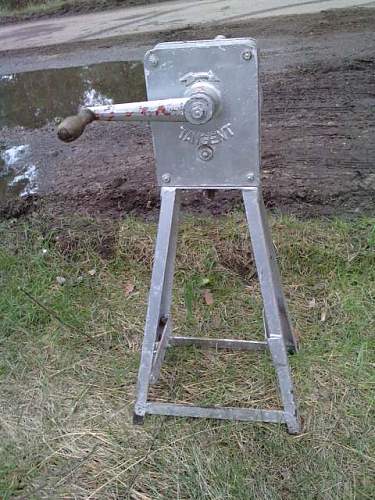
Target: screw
[
  {"x": 247, "y": 55},
  {"x": 153, "y": 60},
  {"x": 166, "y": 178},
  {"x": 250, "y": 176}
]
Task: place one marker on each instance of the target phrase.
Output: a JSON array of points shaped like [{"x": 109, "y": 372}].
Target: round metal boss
[
  {"x": 205, "y": 152},
  {"x": 199, "y": 109}
]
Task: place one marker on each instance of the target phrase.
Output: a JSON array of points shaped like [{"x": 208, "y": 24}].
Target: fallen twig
[{"x": 47, "y": 309}]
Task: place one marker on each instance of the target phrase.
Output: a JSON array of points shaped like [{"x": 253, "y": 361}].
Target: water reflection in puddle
[
  {"x": 28, "y": 177},
  {"x": 13, "y": 155},
  {"x": 36, "y": 98},
  {"x": 18, "y": 177}
]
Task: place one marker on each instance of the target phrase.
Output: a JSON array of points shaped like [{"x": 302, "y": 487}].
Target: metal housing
[{"x": 223, "y": 152}]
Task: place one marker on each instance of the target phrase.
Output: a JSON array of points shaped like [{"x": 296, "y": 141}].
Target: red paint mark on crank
[{"x": 161, "y": 110}]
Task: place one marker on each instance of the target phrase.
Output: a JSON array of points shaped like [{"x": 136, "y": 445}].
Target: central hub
[
  {"x": 199, "y": 109},
  {"x": 203, "y": 104}
]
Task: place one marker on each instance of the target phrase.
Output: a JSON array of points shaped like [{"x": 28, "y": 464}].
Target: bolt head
[
  {"x": 166, "y": 178},
  {"x": 247, "y": 55},
  {"x": 250, "y": 176},
  {"x": 153, "y": 60},
  {"x": 197, "y": 111}
]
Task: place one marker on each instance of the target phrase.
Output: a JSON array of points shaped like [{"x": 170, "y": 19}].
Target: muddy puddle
[{"x": 32, "y": 100}]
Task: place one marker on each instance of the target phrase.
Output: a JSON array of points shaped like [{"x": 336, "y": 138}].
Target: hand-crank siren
[
  {"x": 203, "y": 109},
  {"x": 204, "y": 114}
]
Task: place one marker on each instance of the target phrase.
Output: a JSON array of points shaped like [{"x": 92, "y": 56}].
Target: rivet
[
  {"x": 153, "y": 60},
  {"x": 250, "y": 176},
  {"x": 166, "y": 178},
  {"x": 220, "y": 37},
  {"x": 247, "y": 55}
]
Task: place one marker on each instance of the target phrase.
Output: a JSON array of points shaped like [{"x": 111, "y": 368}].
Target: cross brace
[{"x": 158, "y": 329}]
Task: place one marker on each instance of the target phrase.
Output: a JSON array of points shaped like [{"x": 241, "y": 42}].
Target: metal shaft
[{"x": 168, "y": 110}]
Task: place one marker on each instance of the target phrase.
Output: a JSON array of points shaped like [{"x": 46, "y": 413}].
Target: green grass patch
[
  {"x": 25, "y": 7},
  {"x": 22, "y": 9},
  {"x": 73, "y": 299}
]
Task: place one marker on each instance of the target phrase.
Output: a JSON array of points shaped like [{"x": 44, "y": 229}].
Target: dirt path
[
  {"x": 140, "y": 20},
  {"x": 318, "y": 129}
]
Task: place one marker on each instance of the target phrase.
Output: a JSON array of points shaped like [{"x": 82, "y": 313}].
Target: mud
[{"x": 317, "y": 132}]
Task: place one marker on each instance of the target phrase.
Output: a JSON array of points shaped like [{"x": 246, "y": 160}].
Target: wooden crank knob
[{"x": 73, "y": 126}]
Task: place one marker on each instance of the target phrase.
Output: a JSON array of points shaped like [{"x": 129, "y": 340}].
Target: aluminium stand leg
[
  {"x": 158, "y": 321},
  {"x": 278, "y": 329}
]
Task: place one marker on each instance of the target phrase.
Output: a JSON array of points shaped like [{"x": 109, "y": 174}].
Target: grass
[
  {"x": 35, "y": 7},
  {"x": 68, "y": 369},
  {"x": 26, "y": 8}
]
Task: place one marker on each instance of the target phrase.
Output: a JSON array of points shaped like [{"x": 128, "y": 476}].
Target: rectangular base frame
[{"x": 279, "y": 338}]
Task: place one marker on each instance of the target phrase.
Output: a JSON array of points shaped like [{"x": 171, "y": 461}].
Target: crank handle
[
  {"x": 197, "y": 108},
  {"x": 167, "y": 110}
]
